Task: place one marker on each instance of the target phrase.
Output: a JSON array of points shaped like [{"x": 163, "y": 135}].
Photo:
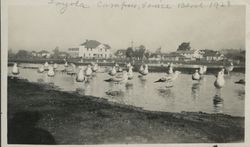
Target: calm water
[{"x": 186, "y": 95}]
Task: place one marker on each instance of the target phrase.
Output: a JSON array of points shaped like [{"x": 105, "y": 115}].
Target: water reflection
[
  {"x": 195, "y": 90},
  {"x": 143, "y": 81},
  {"x": 240, "y": 93},
  {"x": 218, "y": 102},
  {"x": 166, "y": 92},
  {"x": 185, "y": 95}
]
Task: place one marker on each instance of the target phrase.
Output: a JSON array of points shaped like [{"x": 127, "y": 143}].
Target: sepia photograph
[{"x": 125, "y": 72}]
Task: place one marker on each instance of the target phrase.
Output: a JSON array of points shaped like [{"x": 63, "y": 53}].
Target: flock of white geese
[{"x": 118, "y": 75}]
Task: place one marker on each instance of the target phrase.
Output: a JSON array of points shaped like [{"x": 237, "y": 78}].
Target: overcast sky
[{"x": 42, "y": 27}]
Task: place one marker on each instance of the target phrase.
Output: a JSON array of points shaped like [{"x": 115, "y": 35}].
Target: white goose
[
  {"x": 66, "y": 64},
  {"x": 129, "y": 65},
  {"x": 196, "y": 75},
  {"x": 204, "y": 69},
  {"x": 88, "y": 71},
  {"x": 119, "y": 79},
  {"x": 55, "y": 66},
  {"x": 145, "y": 71},
  {"x": 15, "y": 70},
  {"x": 95, "y": 67},
  {"x": 229, "y": 68},
  {"x": 169, "y": 78},
  {"x": 141, "y": 69},
  {"x": 41, "y": 69},
  {"x": 72, "y": 69},
  {"x": 220, "y": 81},
  {"x": 80, "y": 76},
  {"x": 51, "y": 72},
  {"x": 130, "y": 73},
  {"x": 170, "y": 69},
  {"x": 201, "y": 70},
  {"x": 113, "y": 71},
  {"x": 46, "y": 66}
]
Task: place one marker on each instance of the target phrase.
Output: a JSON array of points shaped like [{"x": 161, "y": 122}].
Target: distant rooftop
[
  {"x": 93, "y": 44},
  {"x": 43, "y": 51}
]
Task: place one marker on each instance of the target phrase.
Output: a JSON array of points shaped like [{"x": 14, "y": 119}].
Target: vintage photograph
[{"x": 125, "y": 73}]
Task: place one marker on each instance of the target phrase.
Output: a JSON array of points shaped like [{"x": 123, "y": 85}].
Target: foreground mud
[{"x": 41, "y": 114}]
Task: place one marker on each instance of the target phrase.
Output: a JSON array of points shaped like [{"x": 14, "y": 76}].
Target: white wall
[{"x": 98, "y": 52}]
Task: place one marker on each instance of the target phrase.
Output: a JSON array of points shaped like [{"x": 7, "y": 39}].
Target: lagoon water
[{"x": 186, "y": 95}]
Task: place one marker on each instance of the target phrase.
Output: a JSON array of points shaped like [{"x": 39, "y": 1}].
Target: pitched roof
[
  {"x": 43, "y": 51},
  {"x": 107, "y": 46},
  {"x": 90, "y": 44}
]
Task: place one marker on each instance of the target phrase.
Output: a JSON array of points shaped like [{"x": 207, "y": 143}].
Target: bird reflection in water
[
  {"x": 166, "y": 92},
  {"x": 143, "y": 82},
  {"x": 218, "y": 102},
  {"x": 40, "y": 80},
  {"x": 117, "y": 93},
  {"x": 80, "y": 88},
  {"x": 195, "y": 90},
  {"x": 129, "y": 86},
  {"x": 241, "y": 94}
]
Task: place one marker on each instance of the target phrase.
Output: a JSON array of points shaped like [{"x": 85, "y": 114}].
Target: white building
[
  {"x": 191, "y": 54},
  {"x": 94, "y": 49}
]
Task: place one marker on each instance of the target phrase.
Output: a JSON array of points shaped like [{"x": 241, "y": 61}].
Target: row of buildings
[
  {"x": 96, "y": 50},
  {"x": 189, "y": 55}
]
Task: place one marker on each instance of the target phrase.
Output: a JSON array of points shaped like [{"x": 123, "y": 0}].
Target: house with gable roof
[{"x": 94, "y": 49}]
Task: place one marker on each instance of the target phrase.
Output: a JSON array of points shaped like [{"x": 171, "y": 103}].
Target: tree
[
  {"x": 129, "y": 52},
  {"x": 139, "y": 52},
  {"x": 10, "y": 53},
  {"x": 56, "y": 52},
  {"x": 158, "y": 51},
  {"x": 23, "y": 54},
  {"x": 185, "y": 46},
  {"x": 147, "y": 54}
]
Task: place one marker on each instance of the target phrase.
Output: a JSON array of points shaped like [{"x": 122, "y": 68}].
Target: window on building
[
  {"x": 89, "y": 54},
  {"x": 100, "y": 49},
  {"x": 105, "y": 50}
]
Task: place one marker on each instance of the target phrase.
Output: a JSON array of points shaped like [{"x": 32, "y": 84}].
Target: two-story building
[{"x": 94, "y": 49}]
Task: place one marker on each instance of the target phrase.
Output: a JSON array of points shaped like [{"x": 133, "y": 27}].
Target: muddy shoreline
[{"x": 41, "y": 114}]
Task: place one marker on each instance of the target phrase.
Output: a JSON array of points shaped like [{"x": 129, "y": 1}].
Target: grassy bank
[{"x": 39, "y": 113}]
